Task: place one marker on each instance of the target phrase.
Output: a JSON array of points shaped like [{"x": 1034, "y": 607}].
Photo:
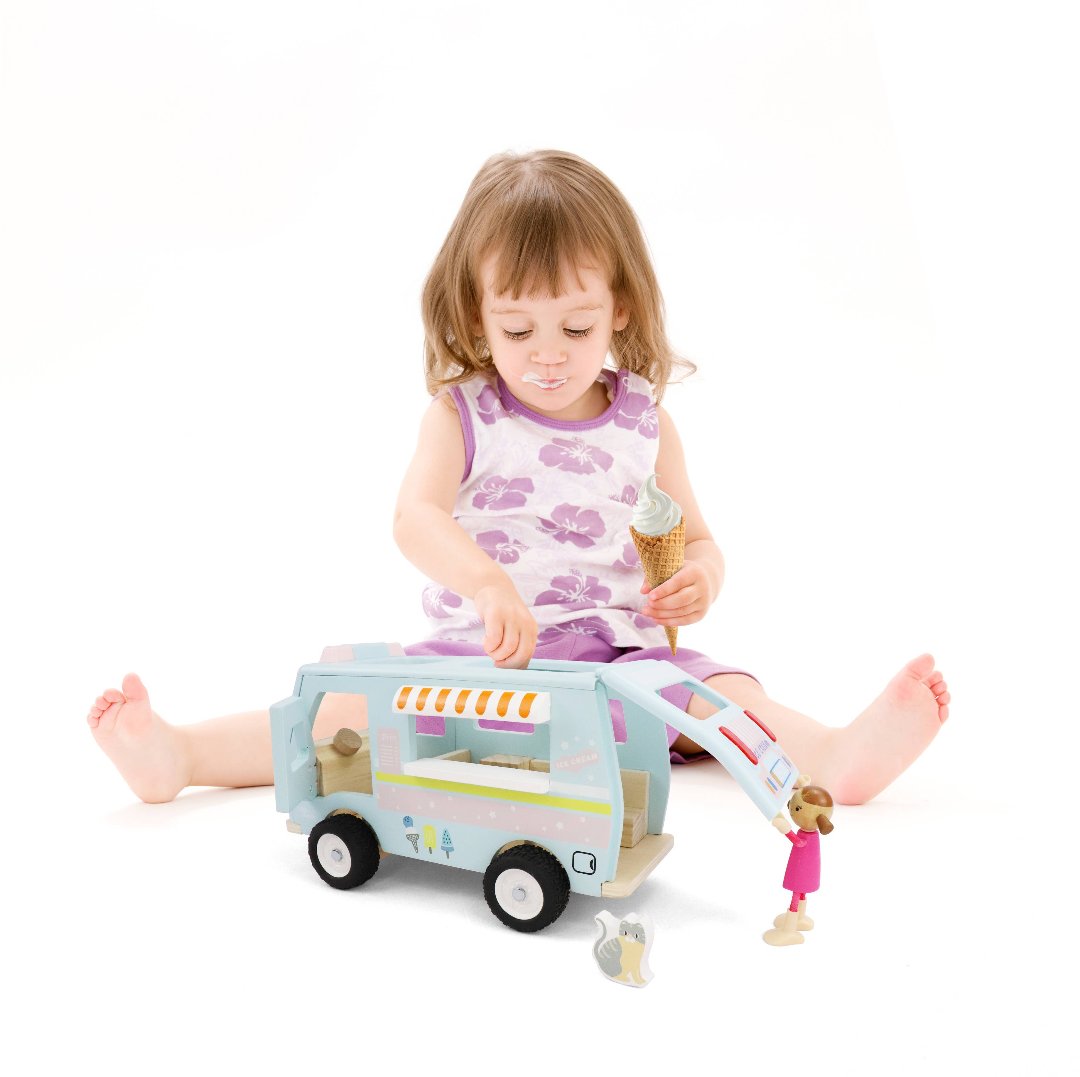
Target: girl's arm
[
  {"x": 428, "y": 535},
  {"x": 685, "y": 598}
]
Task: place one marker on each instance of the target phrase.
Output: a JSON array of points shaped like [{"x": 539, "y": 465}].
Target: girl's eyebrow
[{"x": 598, "y": 306}]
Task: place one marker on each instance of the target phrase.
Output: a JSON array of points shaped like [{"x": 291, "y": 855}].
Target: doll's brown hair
[
  {"x": 819, "y": 798},
  {"x": 541, "y": 214}
]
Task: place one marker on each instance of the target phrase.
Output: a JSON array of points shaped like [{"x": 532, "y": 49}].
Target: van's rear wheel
[
  {"x": 526, "y": 888},
  {"x": 344, "y": 851}
]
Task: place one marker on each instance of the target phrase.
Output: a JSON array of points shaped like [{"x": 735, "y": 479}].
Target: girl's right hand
[{"x": 510, "y": 629}]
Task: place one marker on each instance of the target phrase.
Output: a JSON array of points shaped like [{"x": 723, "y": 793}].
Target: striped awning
[{"x": 527, "y": 708}]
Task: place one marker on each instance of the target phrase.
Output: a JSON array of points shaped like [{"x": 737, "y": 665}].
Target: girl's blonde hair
[{"x": 541, "y": 214}]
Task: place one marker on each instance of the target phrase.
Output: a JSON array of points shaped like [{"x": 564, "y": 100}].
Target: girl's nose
[{"x": 548, "y": 355}]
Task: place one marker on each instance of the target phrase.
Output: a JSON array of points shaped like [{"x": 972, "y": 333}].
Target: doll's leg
[
  {"x": 158, "y": 760},
  {"x": 785, "y": 929},
  {"x": 803, "y": 922},
  {"x": 854, "y": 762}
]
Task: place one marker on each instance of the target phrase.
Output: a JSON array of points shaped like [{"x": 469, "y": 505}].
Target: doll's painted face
[
  {"x": 803, "y": 815},
  {"x": 549, "y": 350}
]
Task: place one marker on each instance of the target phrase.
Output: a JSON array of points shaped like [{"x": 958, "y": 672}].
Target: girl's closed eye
[{"x": 521, "y": 334}]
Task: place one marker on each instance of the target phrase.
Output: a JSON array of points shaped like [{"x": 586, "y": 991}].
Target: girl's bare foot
[
  {"x": 888, "y": 736},
  {"x": 149, "y": 753}
]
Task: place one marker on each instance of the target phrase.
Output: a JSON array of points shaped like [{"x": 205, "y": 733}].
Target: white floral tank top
[{"x": 551, "y": 502}]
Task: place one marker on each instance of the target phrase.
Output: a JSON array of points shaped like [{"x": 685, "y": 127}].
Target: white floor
[
  {"x": 198, "y": 932},
  {"x": 212, "y": 248}
]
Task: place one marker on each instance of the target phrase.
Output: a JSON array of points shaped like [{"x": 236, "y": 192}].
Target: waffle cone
[{"x": 661, "y": 557}]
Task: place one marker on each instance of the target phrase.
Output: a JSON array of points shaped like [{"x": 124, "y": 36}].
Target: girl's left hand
[{"x": 682, "y": 600}]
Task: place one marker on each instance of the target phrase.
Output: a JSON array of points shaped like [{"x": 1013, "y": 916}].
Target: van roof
[{"x": 579, "y": 675}]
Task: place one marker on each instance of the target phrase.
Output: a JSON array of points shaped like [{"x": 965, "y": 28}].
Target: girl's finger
[
  {"x": 675, "y": 601},
  {"x": 686, "y": 615},
  {"x": 493, "y": 639},
  {"x": 510, "y": 640}
]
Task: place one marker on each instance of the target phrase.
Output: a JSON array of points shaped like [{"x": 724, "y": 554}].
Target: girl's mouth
[{"x": 543, "y": 383}]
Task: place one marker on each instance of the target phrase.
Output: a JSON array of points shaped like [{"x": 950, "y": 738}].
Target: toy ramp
[{"x": 741, "y": 742}]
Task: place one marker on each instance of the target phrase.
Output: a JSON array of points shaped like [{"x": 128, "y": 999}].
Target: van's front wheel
[
  {"x": 344, "y": 851},
  {"x": 526, "y": 888}
]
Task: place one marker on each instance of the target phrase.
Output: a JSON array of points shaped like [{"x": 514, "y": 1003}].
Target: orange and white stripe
[{"x": 527, "y": 708}]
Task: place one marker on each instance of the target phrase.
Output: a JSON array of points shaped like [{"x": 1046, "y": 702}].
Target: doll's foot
[
  {"x": 888, "y": 736},
  {"x": 785, "y": 933},
  {"x": 149, "y": 753},
  {"x": 803, "y": 922}
]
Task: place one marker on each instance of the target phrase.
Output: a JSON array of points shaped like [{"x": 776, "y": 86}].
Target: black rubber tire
[
  {"x": 354, "y": 840},
  {"x": 547, "y": 884}
]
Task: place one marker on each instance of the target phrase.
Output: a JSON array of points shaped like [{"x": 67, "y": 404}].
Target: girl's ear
[{"x": 621, "y": 319}]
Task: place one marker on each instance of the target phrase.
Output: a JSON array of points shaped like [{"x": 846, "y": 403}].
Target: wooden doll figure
[{"x": 811, "y": 810}]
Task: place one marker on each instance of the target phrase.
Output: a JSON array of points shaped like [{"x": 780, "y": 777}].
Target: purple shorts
[{"x": 574, "y": 647}]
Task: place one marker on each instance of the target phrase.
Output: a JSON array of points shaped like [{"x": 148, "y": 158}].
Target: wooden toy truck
[{"x": 548, "y": 780}]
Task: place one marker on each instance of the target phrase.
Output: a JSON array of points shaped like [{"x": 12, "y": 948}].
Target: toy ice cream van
[{"x": 548, "y": 780}]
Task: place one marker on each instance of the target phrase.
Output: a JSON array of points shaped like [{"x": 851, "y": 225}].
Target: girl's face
[{"x": 550, "y": 350}]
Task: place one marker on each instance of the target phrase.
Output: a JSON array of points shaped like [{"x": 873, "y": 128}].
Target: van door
[{"x": 744, "y": 745}]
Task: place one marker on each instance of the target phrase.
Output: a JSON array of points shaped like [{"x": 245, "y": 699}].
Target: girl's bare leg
[
  {"x": 158, "y": 760},
  {"x": 857, "y": 761}
]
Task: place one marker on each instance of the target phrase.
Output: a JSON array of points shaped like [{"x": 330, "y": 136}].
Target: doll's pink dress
[{"x": 803, "y": 875}]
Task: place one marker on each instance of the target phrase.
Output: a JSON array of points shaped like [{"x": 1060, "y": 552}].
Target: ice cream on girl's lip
[{"x": 544, "y": 383}]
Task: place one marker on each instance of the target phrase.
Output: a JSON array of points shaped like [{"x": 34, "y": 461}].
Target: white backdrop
[{"x": 215, "y": 220}]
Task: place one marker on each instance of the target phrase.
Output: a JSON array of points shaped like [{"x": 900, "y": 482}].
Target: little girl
[{"x": 547, "y": 357}]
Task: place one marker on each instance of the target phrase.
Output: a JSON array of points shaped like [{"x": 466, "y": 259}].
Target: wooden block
[
  {"x": 347, "y": 741},
  {"x": 338, "y": 773},
  {"x": 540, "y": 764},
  {"x": 517, "y": 762},
  {"x": 635, "y": 788},
  {"x": 634, "y": 824},
  {"x": 461, "y": 755}
]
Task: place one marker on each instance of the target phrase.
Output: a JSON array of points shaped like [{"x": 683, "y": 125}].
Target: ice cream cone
[{"x": 661, "y": 557}]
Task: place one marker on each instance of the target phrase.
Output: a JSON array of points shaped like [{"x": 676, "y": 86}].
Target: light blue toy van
[{"x": 547, "y": 780}]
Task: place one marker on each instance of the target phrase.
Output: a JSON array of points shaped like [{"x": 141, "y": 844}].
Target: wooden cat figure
[{"x": 622, "y": 948}]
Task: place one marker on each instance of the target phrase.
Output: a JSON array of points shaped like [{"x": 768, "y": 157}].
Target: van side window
[
  {"x": 505, "y": 727},
  {"x": 618, "y": 720}
]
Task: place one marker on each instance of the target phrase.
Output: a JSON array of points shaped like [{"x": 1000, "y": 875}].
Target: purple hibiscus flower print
[
  {"x": 574, "y": 592},
  {"x": 439, "y": 601},
  {"x": 571, "y": 523},
  {"x": 629, "y": 557},
  {"x": 588, "y": 626},
  {"x": 638, "y": 413},
  {"x": 489, "y": 406},
  {"x": 572, "y": 454},
  {"x": 627, "y": 497},
  {"x": 500, "y": 547},
  {"x": 499, "y": 493}
]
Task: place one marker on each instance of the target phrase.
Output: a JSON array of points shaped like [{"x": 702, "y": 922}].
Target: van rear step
[{"x": 636, "y": 864}]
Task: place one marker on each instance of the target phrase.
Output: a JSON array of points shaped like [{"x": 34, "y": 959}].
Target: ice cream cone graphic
[{"x": 659, "y": 534}]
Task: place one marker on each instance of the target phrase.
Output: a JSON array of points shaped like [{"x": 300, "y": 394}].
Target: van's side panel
[{"x": 459, "y": 823}]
